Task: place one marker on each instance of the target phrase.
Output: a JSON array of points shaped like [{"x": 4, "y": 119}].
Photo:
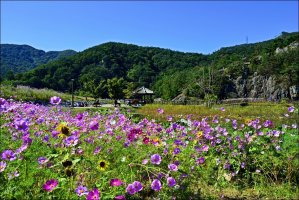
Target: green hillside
[
  {"x": 21, "y": 58},
  {"x": 170, "y": 73}
]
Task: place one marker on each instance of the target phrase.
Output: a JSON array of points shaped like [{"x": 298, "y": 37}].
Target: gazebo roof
[{"x": 143, "y": 90}]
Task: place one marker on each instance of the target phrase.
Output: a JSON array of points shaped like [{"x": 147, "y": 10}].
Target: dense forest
[
  {"x": 21, "y": 58},
  {"x": 169, "y": 73}
]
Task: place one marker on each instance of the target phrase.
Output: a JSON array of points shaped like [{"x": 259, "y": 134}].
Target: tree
[
  {"x": 10, "y": 75},
  {"x": 96, "y": 90},
  {"x": 115, "y": 88}
]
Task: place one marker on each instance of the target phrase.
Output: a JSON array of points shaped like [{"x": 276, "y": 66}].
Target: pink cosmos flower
[
  {"x": 93, "y": 194},
  {"x": 115, "y": 182},
  {"x": 94, "y": 125}
]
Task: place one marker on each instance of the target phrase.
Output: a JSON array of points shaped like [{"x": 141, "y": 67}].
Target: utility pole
[{"x": 72, "y": 93}]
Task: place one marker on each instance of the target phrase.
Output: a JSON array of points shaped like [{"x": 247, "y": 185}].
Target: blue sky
[{"x": 194, "y": 26}]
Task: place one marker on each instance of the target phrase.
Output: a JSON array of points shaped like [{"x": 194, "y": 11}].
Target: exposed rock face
[
  {"x": 258, "y": 86},
  {"x": 293, "y": 45},
  {"x": 294, "y": 92}
]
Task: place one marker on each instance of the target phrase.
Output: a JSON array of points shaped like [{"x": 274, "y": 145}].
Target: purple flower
[
  {"x": 222, "y": 109},
  {"x": 169, "y": 118},
  {"x": 278, "y": 148},
  {"x": 97, "y": 150},
  {"x": 115, "y": 182},
  {"x": 55, "y": 100},
  {"x": 160, "y": 111},
  {"x": 2, "y": 101},
  {"x": 156, "y": 159},
  {"x": 173, "y": 167},
  {"x": 79, "y": 116},
  {"x": 50, "y": 185},
  {"x": 291, "y": 109},
  {"x": 171, "y": 182},
  {"x": 156, "y": 185},
  {"x": 8, "y": 155},
  {"x": 2, "y": 166},
  {"x": 21, "y": 149},
  {"x": 268, "y": 123},
  {"x": 94, "y": 125},
  {"x": 227, "y": 165},
  {"x": 81, "y": 190},
  {"x": 130, "y": 189},
  {"x": 120, "y": 197},
  {"x": 71, "y": 141},
  {"x": 137, "y": 186},
  {"x": 176, "y": 151},
  {"x": 55, "y": 134},
  {"x": 243, "y": 165},
  {"x": 11, "y": 176},
  {"x": 42, "y": 160},
  {"x": 21, "y": 125},
  {"x": 93, "y": 194},
  {"x": 145, "y": 161},
  {"x": 200, "y": 160},
  {"x": 294, "y": 126},
  {"x": 205, "y": 148}
]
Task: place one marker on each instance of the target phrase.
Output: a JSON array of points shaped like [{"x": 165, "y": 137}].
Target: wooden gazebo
[{"x": 142, "y": 92}]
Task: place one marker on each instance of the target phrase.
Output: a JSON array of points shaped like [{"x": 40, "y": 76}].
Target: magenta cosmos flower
[
  {"x": 50, "y": 185},
  {"x": 156, "y": 159},
  {"x": 200, "y": 160},
  {"x": 156, "y": 185},
  {"x": 8, "y": 155},
  {"x": 55, "y": 100},
  {"x": 94, "y": 125},
  {"x": 115, "y": 182},
  {"x": 81, "y": 190},
  {"x": 93, "y": 194}
]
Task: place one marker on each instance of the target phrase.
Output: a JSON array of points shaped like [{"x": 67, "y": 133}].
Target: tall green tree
[{"x": 116, "y": 88}]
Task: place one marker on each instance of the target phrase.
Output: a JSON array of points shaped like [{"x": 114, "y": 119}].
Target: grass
[
  {"x": 264, "y": 111},
  {"x": 26, "y": 93}
]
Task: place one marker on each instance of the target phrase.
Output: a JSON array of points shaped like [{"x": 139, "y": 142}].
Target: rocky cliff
[{"x": 257, "y": 86}]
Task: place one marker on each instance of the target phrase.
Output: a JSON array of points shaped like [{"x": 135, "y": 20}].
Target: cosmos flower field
[{"x": 48, "y": 152}]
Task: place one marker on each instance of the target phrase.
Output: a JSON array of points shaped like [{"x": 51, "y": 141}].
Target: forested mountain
[
  {"x": 21, "y": 58},
  {"x": 170, "y": 73}
]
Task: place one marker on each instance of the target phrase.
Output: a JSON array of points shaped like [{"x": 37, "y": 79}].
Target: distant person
[{"x": 116, "y": 103}]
